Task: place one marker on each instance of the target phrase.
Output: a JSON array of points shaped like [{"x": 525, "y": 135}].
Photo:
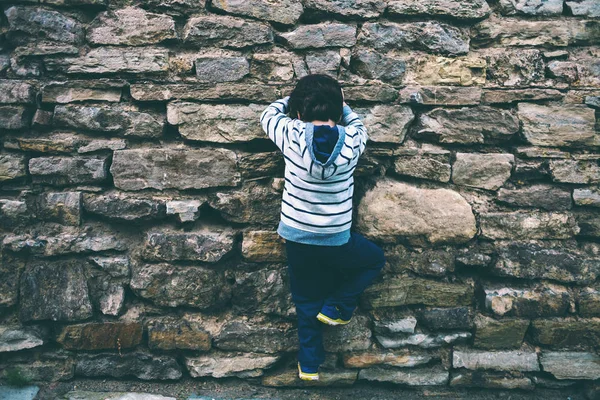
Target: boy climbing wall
[{"x": 329, "y": 265}]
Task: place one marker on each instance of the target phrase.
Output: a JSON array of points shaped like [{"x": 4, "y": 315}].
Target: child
[{"x": 316, "y": 211}]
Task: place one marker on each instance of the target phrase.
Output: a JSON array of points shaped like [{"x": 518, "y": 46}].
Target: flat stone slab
[
  {"x": 77, "y": 395},
  {"x": 18, "y": 393}
]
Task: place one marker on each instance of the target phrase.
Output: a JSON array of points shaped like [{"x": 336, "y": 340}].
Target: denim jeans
[{"x": 328, "y": 275}]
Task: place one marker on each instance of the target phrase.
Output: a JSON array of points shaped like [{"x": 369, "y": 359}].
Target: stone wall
[{"x": 140, "y": 197}]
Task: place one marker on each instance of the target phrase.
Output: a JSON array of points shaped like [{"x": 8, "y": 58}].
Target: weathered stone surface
[
  {"x": 427, "y": 162},
  {"x": 253, "y": 203},
  {"x": 587, "y": 197},
  {"x": 16, "y": 92},
  {"x": 11, "y": 268},
  {"x": 348, "y": 8},
  {"x": 255, "y": 92},
  {"x": 121, "y": 207},
  {"x": 277, "y": 65},
  {"x": 138, "y": 364},
  {"x": 571, "y": 364},
  {"x": 441, "y": 95},
  {"x": 221, "y": 69},
  {"x": 589, "y": 225},
  {"x": 413, "y": 377},
  {"x": 329, "y": 34},
  {"x": 569, "y": 125},
  {"x": 435, "y": 262},
  {"x": 261, "y": 246},
  {"x": 502, "y": 333},
  {"x": 14, "y": 117},
  {"x": 265, "y": 291},
  {"x": 220, "y": 365},
  {"x": 548, "y": 197},
  {"x": 566, "y": 333},
  {"x": 172, "y": 286},
  {"x": 207, "y": 245},
  {"x": 423, "y": 340},
  {"x": 54, "y": 290},
  {"x": 85, "y": 395},
  {"x": 387, "y": 124},
  {"x": 15, "y": 338},
  {"x": 483, "y": 170},
  {"x": 588, "y": 302},
  {"x": 530, "y": 302},
  {"x": 374, "y": 65},
  {"x": 222, "y": 123},
  {"x": 435, "y": 37},
  {"x": 102, "y": 335},
  {"x": 47, "y": 367},
  {"x": 399, "y": 291},
  {"x": 326, "y": 378},
  {"x": 115, "y": 266},
  {"x": 186, "y": 210},
  {"x": 82, "y": 90},
  {"x": 531, "y": 7},
  {"x": 285, "y": 12},
  {"x": 326, "y": 61},
  {"x": 12, "y": 166},
  {"x": 491, "y": 380},
  {"x": 176, "y": 168},
  {"x": 467, "y": 125},
  {"x": 256, "y": 336},
  {"x": 14, "y": 213},
  {"x": 506, "y": 360},
  {"x": 354, "y": 336},
  {"x": 586, "y": 8},
  {"x": 61, "y": 207},
  {"x": 546, "y": 260},
  {"x": 61, "y": 171},
  {"x": 109, "y": 298},
  {"x": 446, "y": 318},
  {"x": 168, "y": 333},
  {"x": 518, "y": 95},
  {"x": 131, "y": 26},
  {"x": 397, "y": 358},
  {"x": 460, "y": 9},
  {"x": 112, "y": 59},
  {"x": 433, "y": 70},
  {"x": 25, "y": 22},
  {"x": 104, "y": 119},
  {"x": 223, "y": 31},
  {"x": 518, "y": 32},
  {"x": 394, "y": 209},
  {"x": 393, "y": 323},
  {"x": 574, "y": 171},
  {"x": 521, "y": 225}
]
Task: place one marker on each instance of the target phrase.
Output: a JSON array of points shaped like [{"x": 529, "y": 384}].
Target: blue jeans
[{"x": 328, "y": 275}]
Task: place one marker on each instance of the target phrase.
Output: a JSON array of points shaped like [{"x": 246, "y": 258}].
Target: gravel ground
[{"x": 240, "y": 389}]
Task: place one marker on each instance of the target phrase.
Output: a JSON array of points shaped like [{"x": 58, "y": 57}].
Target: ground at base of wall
[{"x": 235, "y": 389}]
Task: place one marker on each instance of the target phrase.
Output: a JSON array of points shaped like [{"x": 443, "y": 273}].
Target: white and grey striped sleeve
[
  {"x": 278, "y": 126},
  {"x": 354, "y": 126}
]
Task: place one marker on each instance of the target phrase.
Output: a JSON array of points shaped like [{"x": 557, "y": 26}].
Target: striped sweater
[{"x": 316, "y": 207}]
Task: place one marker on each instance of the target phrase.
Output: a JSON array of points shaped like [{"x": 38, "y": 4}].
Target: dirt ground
[{"x": 240, "y": 389}]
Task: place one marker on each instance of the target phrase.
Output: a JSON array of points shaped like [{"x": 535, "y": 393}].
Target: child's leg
[
  {"x": 310, "y": 284},
  {"x": 362, "y": 260}
]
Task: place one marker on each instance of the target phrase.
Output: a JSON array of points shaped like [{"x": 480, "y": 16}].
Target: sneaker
[
  {"x": 308, "y": 374},
  {"x": 331, "y": 315}
]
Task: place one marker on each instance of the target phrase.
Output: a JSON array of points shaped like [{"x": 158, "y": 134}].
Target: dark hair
[{"x": 317, "y": 97}]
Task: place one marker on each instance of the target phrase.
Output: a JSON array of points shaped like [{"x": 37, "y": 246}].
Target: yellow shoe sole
[
  {"x": 306, "y": 376},
  {"x": 329, "y": 321}
]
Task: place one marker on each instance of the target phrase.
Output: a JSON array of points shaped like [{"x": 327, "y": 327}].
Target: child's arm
[
  {"x": 354, "y": 126},
  {"x": 280, "y": 128}
]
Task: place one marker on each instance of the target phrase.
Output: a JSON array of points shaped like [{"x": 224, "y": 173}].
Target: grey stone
[
  {"x": 460, "y": 9},
  {"x": 566, "y": 333},
  {"x": 54, "y": 290},
  {"x": 518, "y": 95},
  {"x": 15, "y": 338},
  {"x": 15, "y": 117},
  {"x": 522, "y": 225},
  {"x": 427, "y": 376},
  {"x": 86, "y": 395},
  {"x": 181, "y": 8},
  {"x": 265, "y": 291},
  {"x": 186, "y": 210},
  {"x": 506, "y": 67},
  {"x": 221, "y": 69},
  {"x": 356, "y": 335},
  {"x": 328, "y": 34},
  {"x": 219, "y": 123},
  {"x": 61, "y": 207},
  {"x": 502, "y": 333},
  {"x": 115, "y": 266},
  {"x": 207, "y": 245},
  {"x": 574, "y": 171},
  {"x": 19, "y": 393},
  {"x": 441, "y": 95},
  {"x": 482, "y": 124},
  {"x": 501, "y": 360},
  {"x": 586, "y": 8},
  {"x": 224, "y": 31},
  {"x": 435, "y": 37},
  {"x": 386, "y": 123},
  {"x": 542, "y": 196},
  {"x": 491, "y": 380},
  {"x": 427, "y": 162},
  {"x": 113, "y": 59},
  {"x": 587, "y": 197},
  {"x": 373, "y": 65},
  {"x": 131, "y": 26},
  {"x": 256, "y": 336},
  {"x": 173, "y": 286},
  {"x": 61, "y": 171},
  {"x": 531, "y": 7},
  {"x": 253, "y": 203},
  {"x": 120, "y": 207},
  {"x": 16, "y": 92},
  {"x": 348, "y": 8},
  {"x": 571, "y": 364},
  {"x": 14, "y": 213},
  {"x": 255, "y": 92},
  {"x": 260, "y": 246},
  {"x": 323, "y": 62},
  {"x": 12, "y": 166},
  {"x": 483, "y": 170},
  {"x": 168, "y": 333},
  {"x": 140, "y": 365},
  {"x": 387, "y": 212},
  {"x": 82, "y": 90},
  {"x": 220, "y": 365},
  {"x": 285, "y": 12},
  {"x": 424, "y": 340},
  {"x": 393, "y": 358},
  {"x": 435, "y": 262},
  {"x": 539, "y": 300},
  {"x": 446, "y": 318},
  {"x": 175, "y": 168},
  {"x": 42, "y": 22}
]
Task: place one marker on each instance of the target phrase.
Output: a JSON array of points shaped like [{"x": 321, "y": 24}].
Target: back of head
[{"x": 317, "y": 97}]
